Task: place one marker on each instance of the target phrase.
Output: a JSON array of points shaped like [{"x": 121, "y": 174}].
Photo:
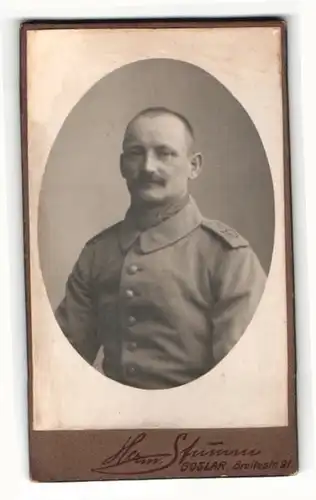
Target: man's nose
[{"x": 150, "y": 163}]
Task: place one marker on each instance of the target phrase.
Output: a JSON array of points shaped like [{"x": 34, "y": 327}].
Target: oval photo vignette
[{"x": 82, "y": 190}]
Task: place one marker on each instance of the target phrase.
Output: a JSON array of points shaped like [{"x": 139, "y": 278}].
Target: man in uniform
[{"x": 166, "y": 293}]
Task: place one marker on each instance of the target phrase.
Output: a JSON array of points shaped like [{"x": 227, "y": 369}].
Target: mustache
[{"x": 152, "y": 177}]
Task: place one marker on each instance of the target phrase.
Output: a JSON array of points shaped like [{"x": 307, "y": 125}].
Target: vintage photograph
[{"x": 158, "y": 237}]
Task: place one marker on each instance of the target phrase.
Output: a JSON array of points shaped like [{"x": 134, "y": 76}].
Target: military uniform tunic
[{"x": 167, "y": 304}]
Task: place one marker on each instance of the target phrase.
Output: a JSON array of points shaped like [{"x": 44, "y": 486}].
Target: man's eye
[
  {"x": 134, "y": 153},
  {"x": 165, "y": 153}
]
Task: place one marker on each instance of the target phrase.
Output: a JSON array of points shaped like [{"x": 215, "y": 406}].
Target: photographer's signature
[{"x": 129, "y": 459}]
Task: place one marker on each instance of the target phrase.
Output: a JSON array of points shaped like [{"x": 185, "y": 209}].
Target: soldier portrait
[{"x": 165, "y": 293}]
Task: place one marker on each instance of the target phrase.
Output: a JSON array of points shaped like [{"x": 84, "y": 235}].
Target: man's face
[{"x": 157, "y": 160}]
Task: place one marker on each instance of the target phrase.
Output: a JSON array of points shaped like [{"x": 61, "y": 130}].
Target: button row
[{"x": 129, "y": 293}]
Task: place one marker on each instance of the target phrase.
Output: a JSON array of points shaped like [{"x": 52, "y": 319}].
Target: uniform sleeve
[
  {"x": 75, "y": 314},
  {"x": 239, "y": 285}
]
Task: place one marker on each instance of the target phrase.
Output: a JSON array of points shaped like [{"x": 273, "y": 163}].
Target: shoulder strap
[{"x": 226, "y": 233}]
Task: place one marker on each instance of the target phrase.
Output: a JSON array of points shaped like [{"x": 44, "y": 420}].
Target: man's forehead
[{"x": 160, "y": 127}]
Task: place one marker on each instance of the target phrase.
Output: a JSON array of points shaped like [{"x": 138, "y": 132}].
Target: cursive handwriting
[{"x": 182, "y": 452}]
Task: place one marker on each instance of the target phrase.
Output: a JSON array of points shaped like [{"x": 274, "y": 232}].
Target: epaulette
[{"x": 226, "y": 233}]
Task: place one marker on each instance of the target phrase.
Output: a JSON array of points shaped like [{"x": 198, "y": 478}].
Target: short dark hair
[{"x": 162, "y": 110}]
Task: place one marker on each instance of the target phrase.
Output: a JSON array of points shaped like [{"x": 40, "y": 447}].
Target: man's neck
[{"x": 148, "y": 215}]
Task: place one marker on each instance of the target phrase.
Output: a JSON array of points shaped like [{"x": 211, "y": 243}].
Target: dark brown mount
[{"x": 166, "y": 453}]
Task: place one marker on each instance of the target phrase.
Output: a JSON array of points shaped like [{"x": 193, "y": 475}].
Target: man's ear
[
  {"x": 122, "y": 167},
  {"x": 196, "y": 165}
]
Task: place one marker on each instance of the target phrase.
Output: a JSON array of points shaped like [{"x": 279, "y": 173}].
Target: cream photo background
[{"x": 249, "y": 387}]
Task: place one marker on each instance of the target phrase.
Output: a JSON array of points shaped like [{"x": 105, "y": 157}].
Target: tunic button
[
  {"x": 132, "y": 346},
  {"x": 129, "y": 293},
  {"x": 131, "y": 320},
  {"x": 131, "y": 369},
  {"x": 133, "y": 269}
]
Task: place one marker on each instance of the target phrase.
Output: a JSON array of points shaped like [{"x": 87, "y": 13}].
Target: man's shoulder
[
  {"x": 234, "y": 255},
  {"x": 228, "y": 236},
  {"x": 110, "y": 232}
]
